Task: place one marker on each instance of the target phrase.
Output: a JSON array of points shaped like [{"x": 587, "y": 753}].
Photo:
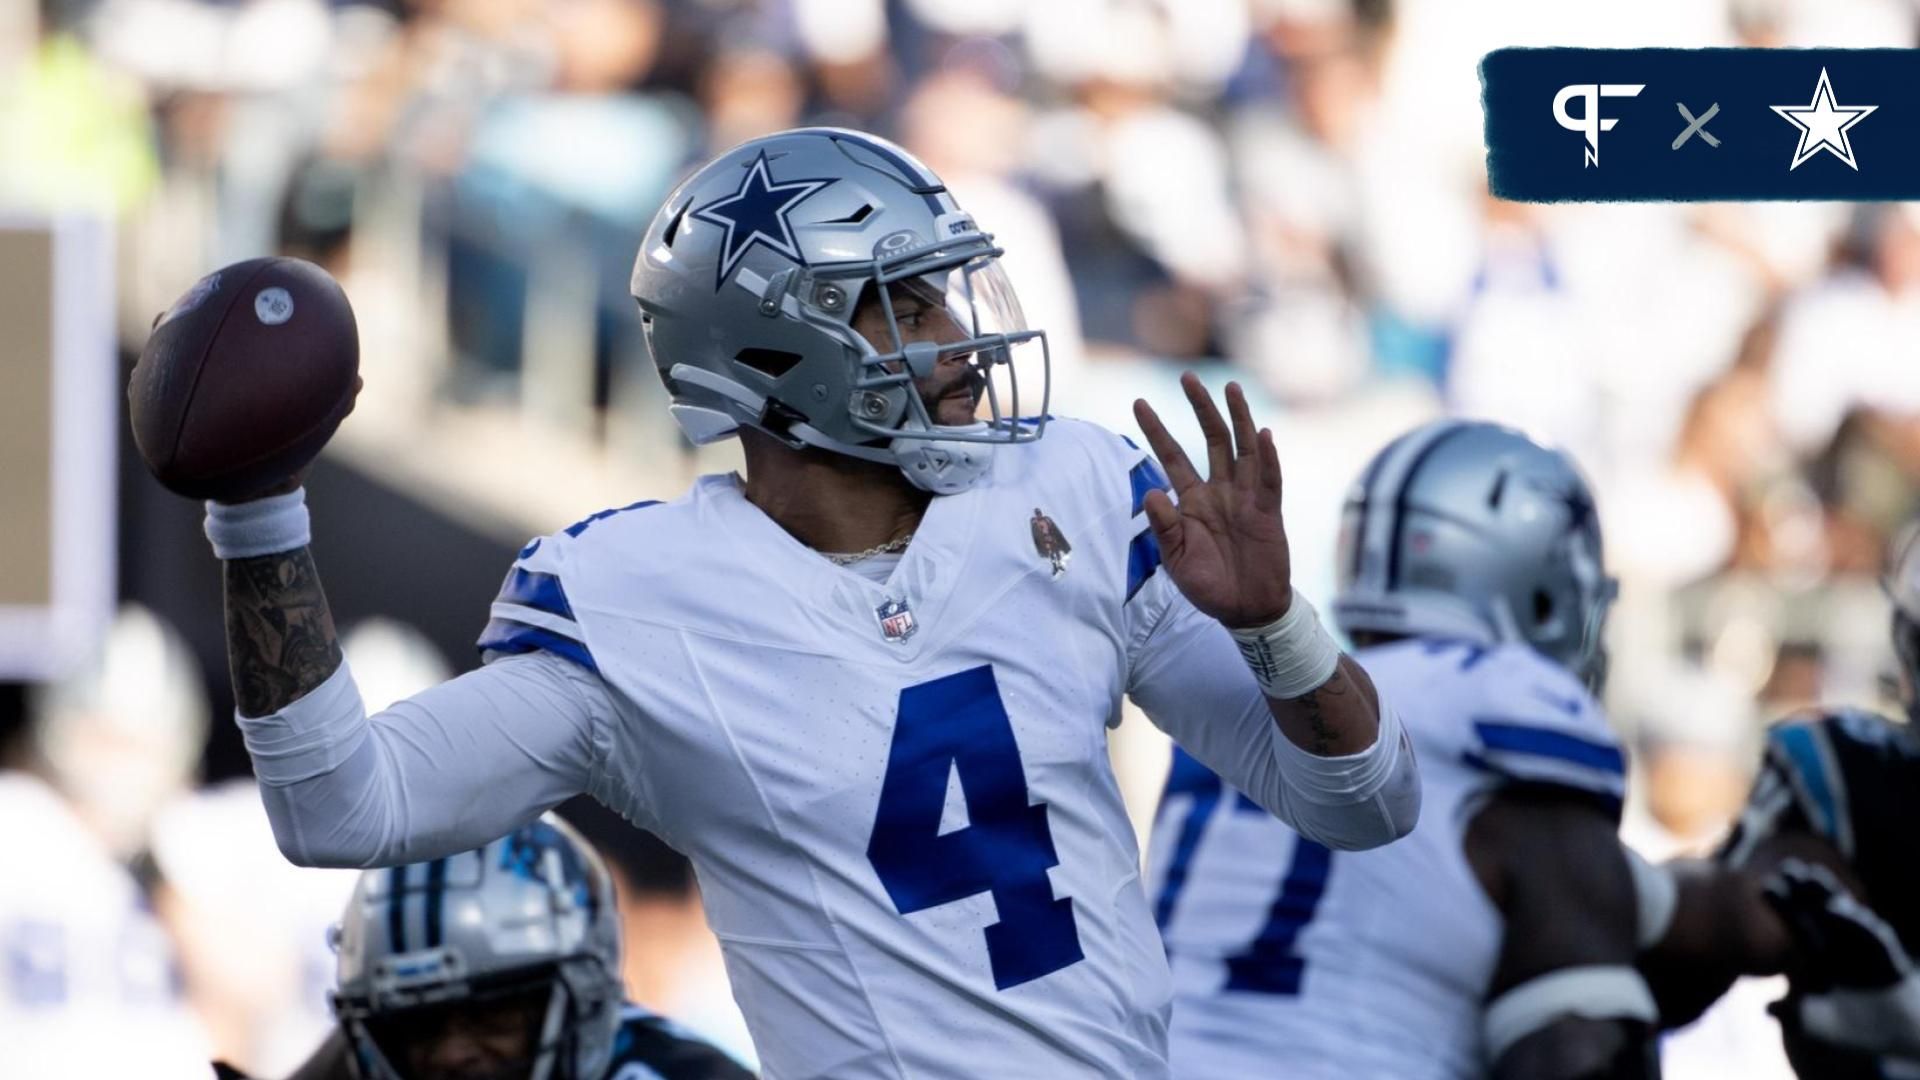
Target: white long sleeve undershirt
[{"x": 444, "y": 771}]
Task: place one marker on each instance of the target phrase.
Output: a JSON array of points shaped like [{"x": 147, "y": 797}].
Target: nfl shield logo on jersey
[{"x": 896, "y": 620}]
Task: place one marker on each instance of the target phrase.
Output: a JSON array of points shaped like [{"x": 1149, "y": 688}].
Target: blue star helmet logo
[{"x": 757, "y": 214}]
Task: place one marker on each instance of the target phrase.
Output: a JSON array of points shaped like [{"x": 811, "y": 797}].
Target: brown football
[{"x": 245, "y": 378}]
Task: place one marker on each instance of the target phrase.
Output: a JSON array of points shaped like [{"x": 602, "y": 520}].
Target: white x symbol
[{"x": 1696, "y": 126}]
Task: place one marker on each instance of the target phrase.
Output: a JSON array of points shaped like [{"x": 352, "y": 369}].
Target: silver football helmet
[
  {"x": 520, "y": 937},
  {"x": 749, "y": 279},
  {"x": 1473, "y": 531}
]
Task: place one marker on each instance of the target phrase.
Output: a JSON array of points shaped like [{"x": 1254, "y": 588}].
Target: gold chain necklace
[{"x": 888, "y": 548}]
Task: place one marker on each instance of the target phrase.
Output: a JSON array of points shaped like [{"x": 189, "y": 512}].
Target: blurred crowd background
[{"x": 1286, "y": 192}]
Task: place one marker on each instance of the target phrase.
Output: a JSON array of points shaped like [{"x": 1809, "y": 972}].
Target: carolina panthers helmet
[
  {"x": 749, "y": 277},
  {"x": 1902, "y": 585},
  {"x": 528, "y": 918},
  {"x": 1473, "y": 531}
]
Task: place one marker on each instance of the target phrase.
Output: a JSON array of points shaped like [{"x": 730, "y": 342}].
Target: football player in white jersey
[
  {"x": 1502, "y": 937},
  {"x": 850, "y": 685}
]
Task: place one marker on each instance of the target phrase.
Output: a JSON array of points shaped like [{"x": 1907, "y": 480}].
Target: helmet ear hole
[
  {"x": 1542, "y": 607},
  {"x": 773, "y": 363}
]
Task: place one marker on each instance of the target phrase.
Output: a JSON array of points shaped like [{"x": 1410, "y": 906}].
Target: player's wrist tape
[
  {"x": 1291, "y": 656},
  {"x": 266, "y": 526}
]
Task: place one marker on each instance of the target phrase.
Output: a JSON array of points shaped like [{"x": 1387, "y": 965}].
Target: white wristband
[
  {"x": 1291, "y": 656},
  {"x": 266, "y": 526}
]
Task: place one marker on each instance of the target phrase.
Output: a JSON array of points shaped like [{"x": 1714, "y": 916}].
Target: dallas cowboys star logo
[
  {"x": 1823, "y": 125},
  {"x": 757, "y": 214}
]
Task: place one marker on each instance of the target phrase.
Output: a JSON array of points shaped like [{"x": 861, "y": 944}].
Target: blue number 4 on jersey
[{"x": 958, "y": 724}]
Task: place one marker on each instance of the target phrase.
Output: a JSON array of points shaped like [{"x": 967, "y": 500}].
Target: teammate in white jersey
[
  {"x": 889, "y": 766},
  {"x": 1501, "y": 938}
]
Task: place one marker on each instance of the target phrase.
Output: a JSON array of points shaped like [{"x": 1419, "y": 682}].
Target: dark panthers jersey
[
  {"x": 652, "y": 1047},
  {"x": 1851, "y": 778}
]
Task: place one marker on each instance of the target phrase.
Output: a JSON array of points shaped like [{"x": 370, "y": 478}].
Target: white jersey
[
  {"x": 88, "y": 985},
  {"x": 896, "y": 794},
  {"x": 1368, "y": 964}
]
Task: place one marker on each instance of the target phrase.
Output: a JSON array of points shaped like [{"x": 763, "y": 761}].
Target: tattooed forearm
[
  {"x": 1341, "y": 717},
  {"x": 1324, "y": 737},
  {"x": 280, "y": 637}
]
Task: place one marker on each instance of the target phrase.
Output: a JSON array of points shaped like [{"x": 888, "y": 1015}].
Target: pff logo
[{"x": 1589, "y": 122}]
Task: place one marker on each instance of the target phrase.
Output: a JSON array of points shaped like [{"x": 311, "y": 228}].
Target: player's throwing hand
[{"x": 1223, "y": 542}]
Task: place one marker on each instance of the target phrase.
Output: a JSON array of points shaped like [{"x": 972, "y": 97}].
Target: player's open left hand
[{"x": 1223, "y": 542}]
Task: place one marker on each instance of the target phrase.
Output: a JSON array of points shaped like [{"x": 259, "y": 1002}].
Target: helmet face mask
[
  {"x": 985, "y": 330},
  {"x": 749, "y": 283},
  {"x": 509, "y": 1028}
]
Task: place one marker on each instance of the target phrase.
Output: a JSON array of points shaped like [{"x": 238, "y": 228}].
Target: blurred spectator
[
  {"x": 746, "y": 93},
  {"x": 549, "y": 203},
  {"x": 979, "y": 158},
  {"x": 123, "y": 735},
  {"x": 252, "y": 928},
  {"x": 1141, "y": 185},
  {"x": 88, "y": 985},
  {"x": 1307, "y": 164},
  {"x": 75, "y": 134},
  {"x": 1853, "y": 339}
]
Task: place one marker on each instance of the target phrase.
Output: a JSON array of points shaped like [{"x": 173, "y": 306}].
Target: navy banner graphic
[{"x": 1694, "y": 124}]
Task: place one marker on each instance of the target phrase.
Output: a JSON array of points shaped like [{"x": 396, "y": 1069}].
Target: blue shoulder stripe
[
  {"x": 1500, "y": 736},
  {"x": 1145, "y": 477},
  {"x": 507, "y": 636},
  {"x": 537, "y": 590},
  {"x": 578, "y": 527},
  {"x": 1143, "y": 558}
]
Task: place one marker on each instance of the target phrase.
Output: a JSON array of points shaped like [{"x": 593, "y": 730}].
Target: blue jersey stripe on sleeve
[
  {"x": 531, "y": 588},
  {"x": 507, "y": 636},
  {"x": 582, "y": 525},
  {"x": 1502, "y": 736},
  {"x": 1143, "y": 558},
  {"x": 1145, "y": 477}
]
